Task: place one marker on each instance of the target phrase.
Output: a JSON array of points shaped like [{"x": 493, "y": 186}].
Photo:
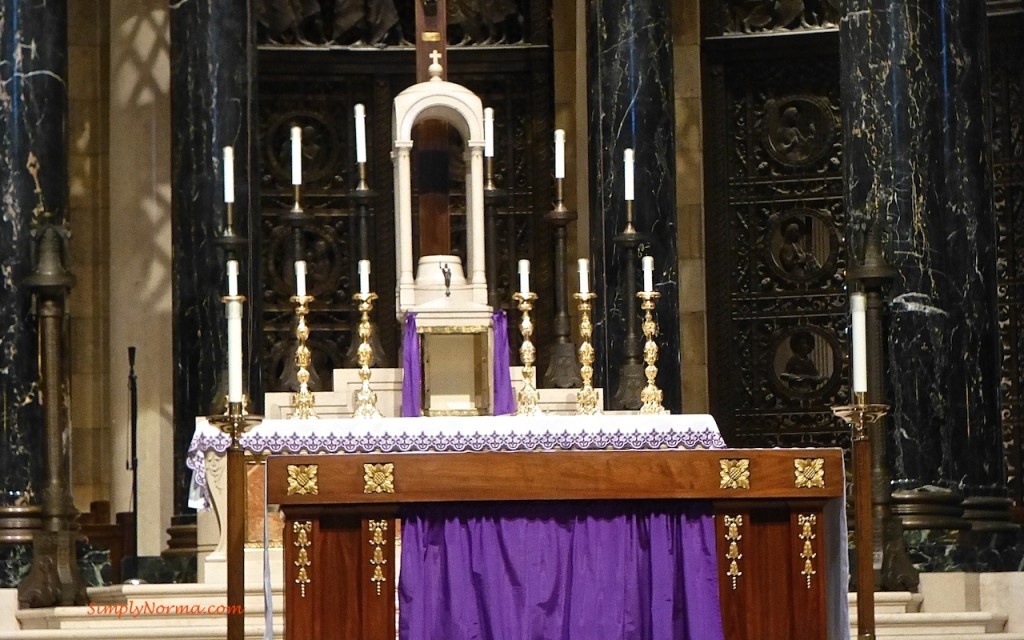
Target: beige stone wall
[
  {"x": 690, "y": 204},
  {"x": 88, "y": 212}
]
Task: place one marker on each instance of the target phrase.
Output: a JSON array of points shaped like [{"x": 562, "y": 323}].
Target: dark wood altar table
[{"x": 778, "y": 522}]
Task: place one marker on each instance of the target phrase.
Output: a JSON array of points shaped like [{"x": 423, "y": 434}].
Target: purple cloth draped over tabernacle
[
  {"x": 412, "y": 371},
  {"x": 559, "y": 571},
  {"x": 504, "y": 399}
]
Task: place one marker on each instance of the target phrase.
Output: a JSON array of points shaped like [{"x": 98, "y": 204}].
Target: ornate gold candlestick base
[
  {"x": 650, "y": 395},
  {"x": 302, "y": 400},
  {"x": 528, "y": 397},
  {"x": 366, "y": 398},
  {"x": 859, "y": 415},
  {"x": 586, "y": 397},
  {"x": 235, "y": 423}
]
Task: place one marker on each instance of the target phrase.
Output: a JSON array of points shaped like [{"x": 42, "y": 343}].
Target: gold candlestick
[
  {"x": 650, "y": 395},
  {"x": 303, "y": 400},
  {"x": 366, "y": 398},
  {"x": 586, "y": 397},
  {"x": 860, "y": 415},
  {"x": 528, "y": 397}
]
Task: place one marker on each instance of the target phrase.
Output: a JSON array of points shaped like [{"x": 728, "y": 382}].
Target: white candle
[
  {"x": 233, "y": 311},
  {"x": 488, "y": 132},
  {"x": 627, "y": 160},
  {"x": 559, "y": 153},
  {"x": 296, "y": 155},
  {"x": 858, "y": 324},
  {"x": 648, "y": 268},
  {"x": 300, "y": 278},
  {"x": 229, "y": 174},
  {"x": 584, "y": 265},
  {"x": 524, "y": 277},
  {"x": 364, "y": 277},
  {"x": 360, "y": 111}
]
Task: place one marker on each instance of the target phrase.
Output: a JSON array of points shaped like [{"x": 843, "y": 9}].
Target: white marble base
[{"x": 8, "y": 609}]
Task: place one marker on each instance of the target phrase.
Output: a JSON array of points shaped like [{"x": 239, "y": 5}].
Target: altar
[{"x": 774, "y": 518}]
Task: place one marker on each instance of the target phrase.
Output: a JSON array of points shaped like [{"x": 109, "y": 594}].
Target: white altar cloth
[{"x": 454, "y": 434}]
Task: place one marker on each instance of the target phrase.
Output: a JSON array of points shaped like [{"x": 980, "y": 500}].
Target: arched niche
[{"x": 421, "y": 284}]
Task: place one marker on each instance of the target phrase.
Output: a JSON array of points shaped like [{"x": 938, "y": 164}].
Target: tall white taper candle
[
  {"x": 296, "y": 155},
  {"x": 584, "y": 266},
  {"x": 229, "y": 174},
  {"x": 360, "y": 113},
  {"x": 559, "y": 153},
  {"x": 488, "y": 132},
  {"x": 858, "y": 329},
  {"x": 233, "y": 311},
  {"x": 300, "y": 278},
  {"x": 524, "y": 277},
  {"x": 364, "y": 277},
  {"x": 627, "y": 161},
  {"x": 647, "y": 263}
]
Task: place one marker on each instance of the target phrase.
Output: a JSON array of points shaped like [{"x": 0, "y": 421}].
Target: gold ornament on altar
[
  {"x": 303, "y": 400},
  {"x": 586, "y": 397},
  {"x": 528, "y": 398},
  {"x": 366, "y": 398},
  {"x": 650, "y": 395}
]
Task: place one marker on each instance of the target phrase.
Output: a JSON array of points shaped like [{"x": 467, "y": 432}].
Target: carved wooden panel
[
  {"x": 1008, "y": 166},
  {"x": 777, "y": 300},
  {"x": 317, "y": 90}
]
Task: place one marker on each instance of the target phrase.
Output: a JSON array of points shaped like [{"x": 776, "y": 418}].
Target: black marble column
[
  {"x": 212, "y": 105},
  {"x": 630, "y": 105},
  {"x": 33, "y": 182},
  {"x": 915, "y": 96}
]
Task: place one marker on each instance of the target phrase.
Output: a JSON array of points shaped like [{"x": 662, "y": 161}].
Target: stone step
[
  {"x": 935, "y": 625},
  {"x": 891, "y": 602}
]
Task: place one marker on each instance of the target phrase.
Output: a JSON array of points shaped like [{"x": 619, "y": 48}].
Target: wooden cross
[{"x": 431, "y": 136}]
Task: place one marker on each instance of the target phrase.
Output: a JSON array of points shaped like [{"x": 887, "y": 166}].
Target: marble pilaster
[
  {"x": 212, "y": 97},
  {"x": 915, "y": 97},
  {"x": 33, "y": 182},
  {"x": 630, "y": 105}
]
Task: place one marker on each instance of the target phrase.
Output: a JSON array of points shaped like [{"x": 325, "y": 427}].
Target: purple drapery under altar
[
  {"x": 412, "y": 371},
  {"x": 642, "y": 570}
]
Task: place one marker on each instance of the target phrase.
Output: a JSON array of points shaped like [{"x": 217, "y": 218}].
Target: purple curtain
[
  {"x": 412, "y": 371},
  {"x": 559, "y": 571},
  {"x": 504, "y": 399}
]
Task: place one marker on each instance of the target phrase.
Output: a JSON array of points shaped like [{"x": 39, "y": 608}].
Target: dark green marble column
[
  {"x": 33, "y": 183},
  {"x": 212, "y": 105},
  {"x": 630, "y": 103}
]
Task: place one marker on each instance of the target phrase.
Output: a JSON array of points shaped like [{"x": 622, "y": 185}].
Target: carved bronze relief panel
[
  {"x": 777, "y": 300},
  {"x": 758, "y": 16},
  {"x": 1008, "y": 168}
]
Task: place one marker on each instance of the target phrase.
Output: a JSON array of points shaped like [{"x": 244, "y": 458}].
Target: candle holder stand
[
  {"x": 861, "y": 416},
  {"x": 303, "y": 399},
  {"x": 235, "y": 422},
  {"x": 562, "y": 371},
  {"x": 362, "y": 199},
  {"x": 528, "y": 398},
  {"x": 586, "y": 397},
  {"x": 650, "y": 395},
  {"x": 366, "y": 398}
]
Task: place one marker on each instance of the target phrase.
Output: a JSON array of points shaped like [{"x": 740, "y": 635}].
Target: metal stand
[
  {"x": 235, "y": 423},
  {"x": 631, "y": 371},
  {"x": 651, "y": 394},
  {"x": 298, "y": 219},
  {"x": 362, "y": 197},
  {"x": 54, "y": 579},
  {"x": 586, "y": 397},
  {"x": 366, "y": 398},
  {"x": 528, "y": 398},
  {"x": 562, "y": 372},
  {"x": 859, "y": 416},
  {"x": 303, "y": 399}
]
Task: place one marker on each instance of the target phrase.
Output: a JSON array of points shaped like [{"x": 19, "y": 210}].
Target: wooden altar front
[{"x": 775, "y": 511}]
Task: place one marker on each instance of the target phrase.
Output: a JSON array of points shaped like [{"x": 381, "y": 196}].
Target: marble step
[
  {"x": 891, "y": 602},
  {"x": 936, "y": 625}
]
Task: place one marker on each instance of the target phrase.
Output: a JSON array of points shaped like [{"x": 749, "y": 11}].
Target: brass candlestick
[
  {"x": 859, "y": 416},
  {"x": 234, "y": 423},
  {"x": 650, "y": 395},
  {"x": 302, "y": 400},
  {"x": 528, "y": 397},
  {"x": 366, "y": 399},
  {"x": 586, "y": 397}
]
